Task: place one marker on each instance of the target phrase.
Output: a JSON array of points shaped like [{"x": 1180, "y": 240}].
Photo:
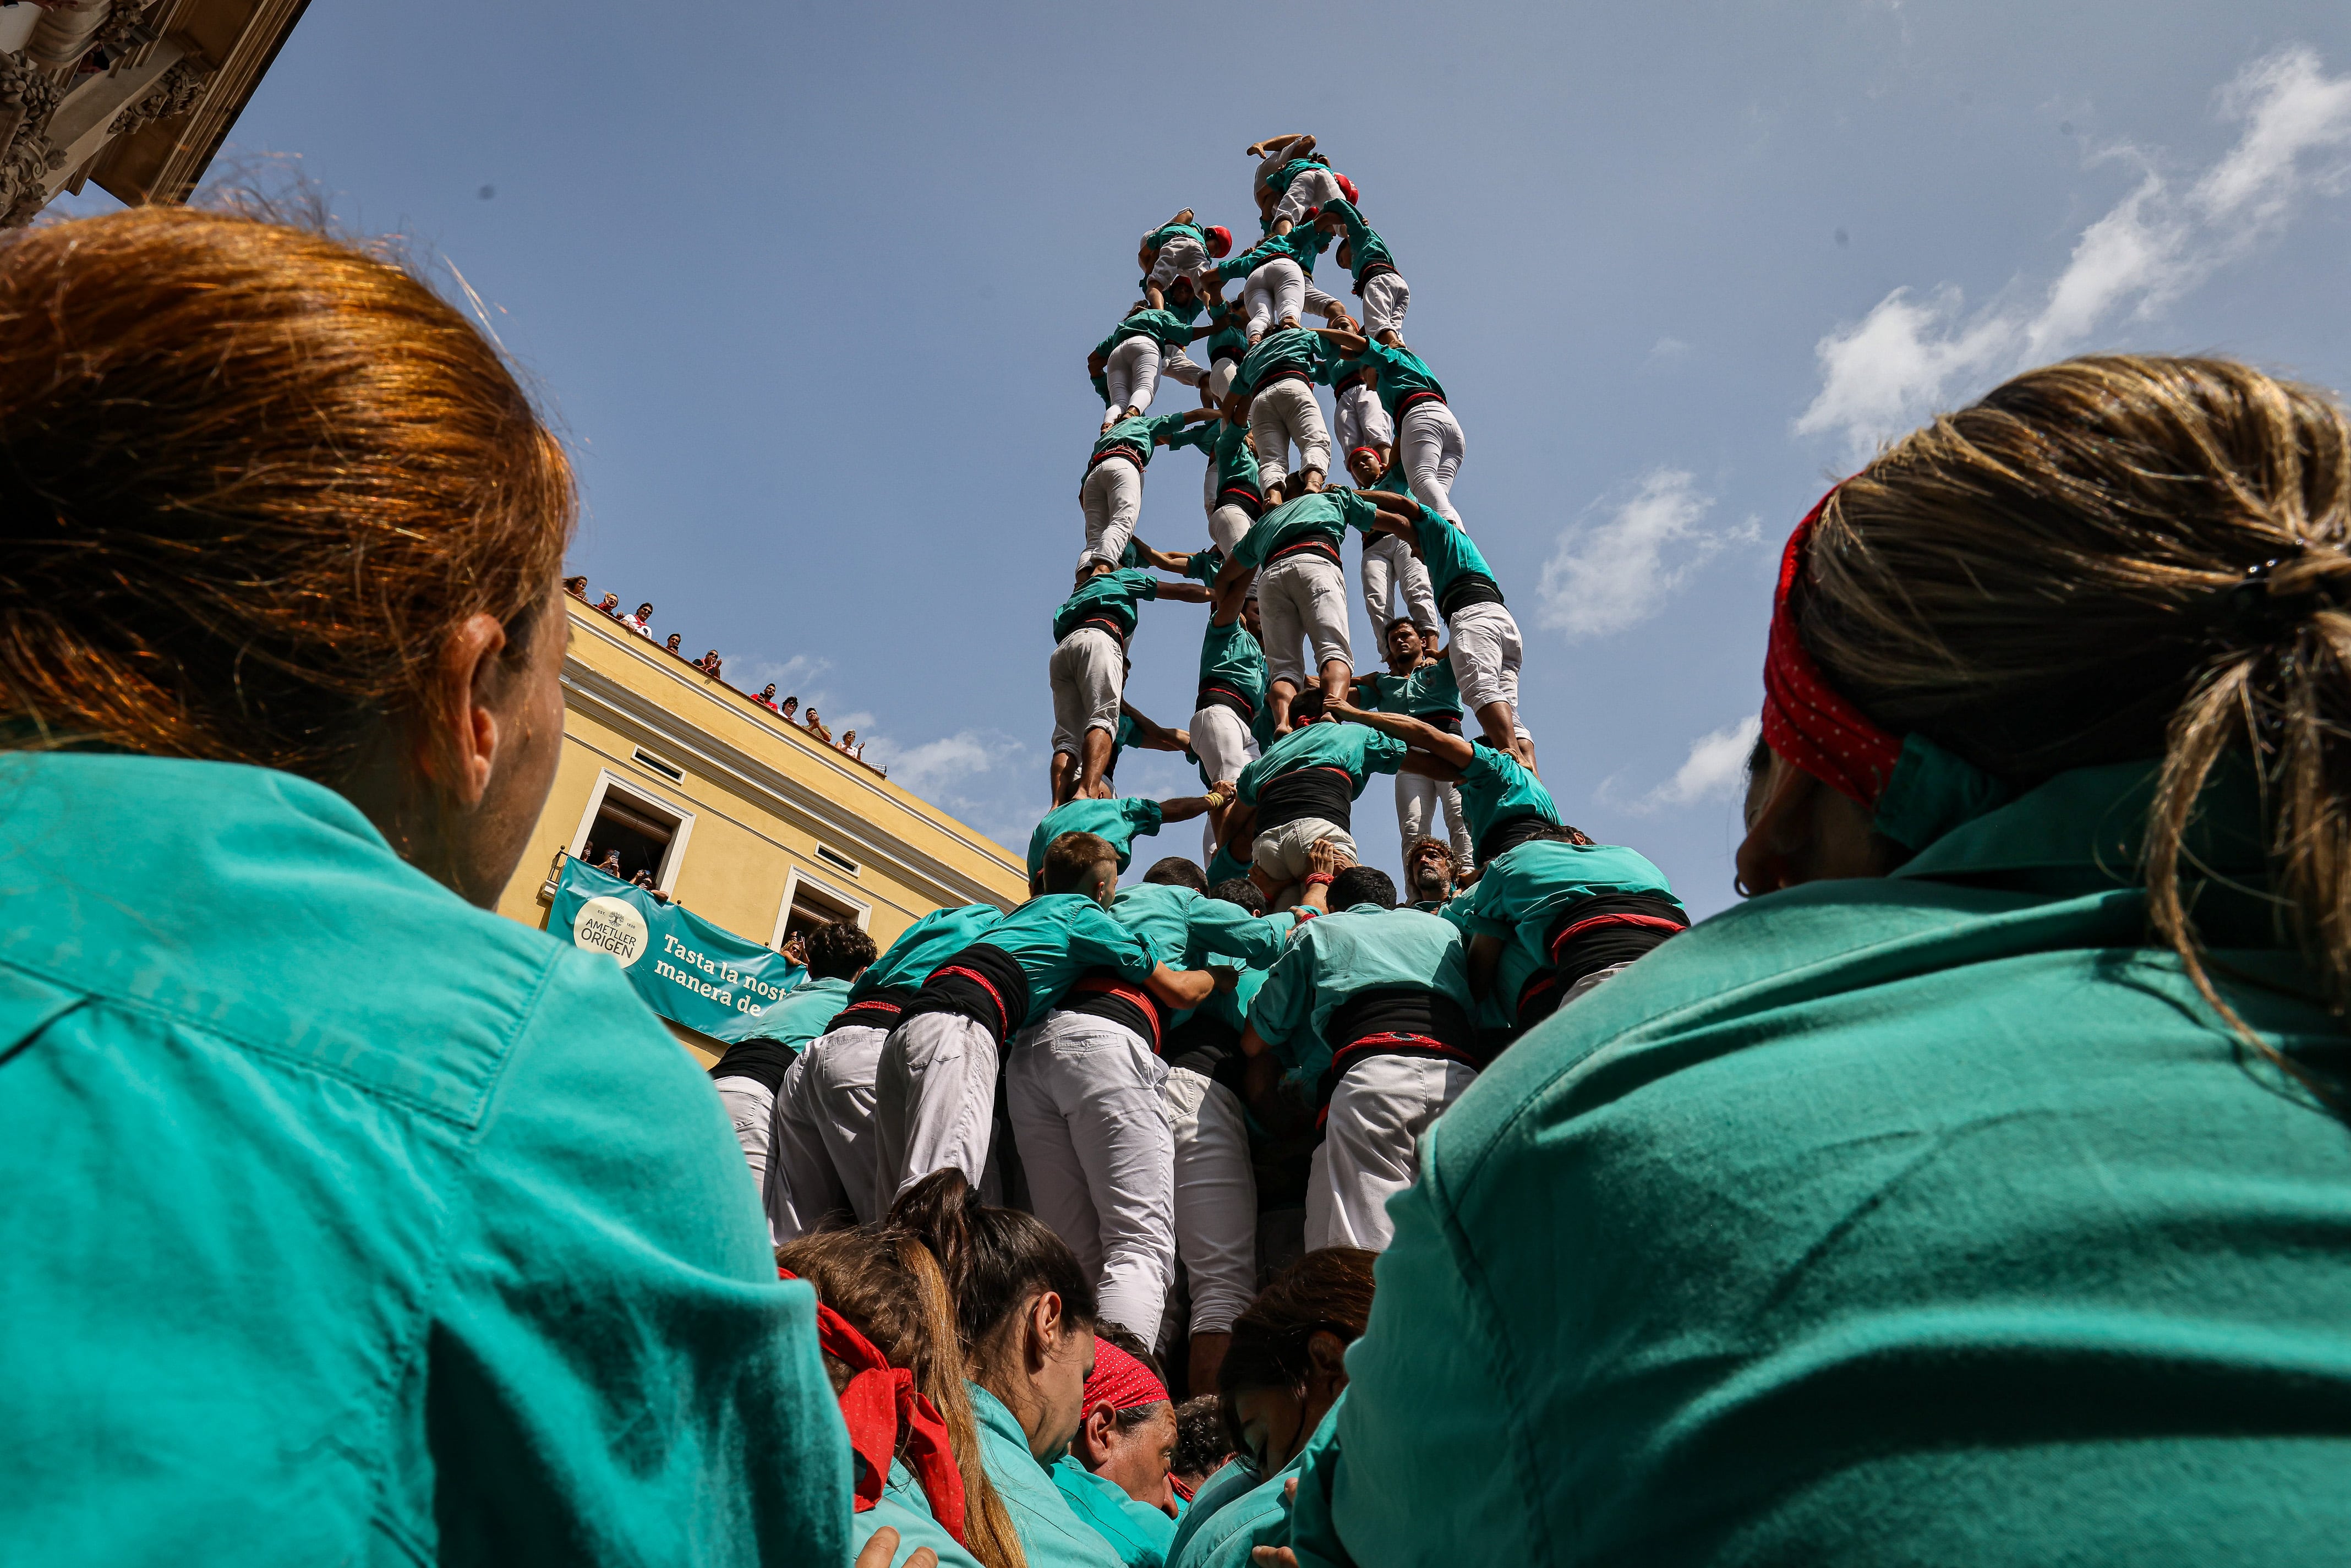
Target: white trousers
[
  {"x": 1303, "y": 598},
  {"x": 1390, "y": 571},
  {"x": 1083, "y": 1095},
  {"x": 1385, "y": 296},
  {"x": 1321, "y": 303},
  {"x": 1358, "y": 420},
  {"x": 1220, "y": 377},
  {"x": 1428, "y": 444},
  {"x": 1133, "y": 374},
  {"x": 1281, "y": 415},
  {"x": 1313, "y": 187},
  {"x": 1112, "y": 498},
  {"x": 751, "y": 1106},
  {"x": 1276, "y": 291},
  {"x": 1087, "y": 672},
  {"x": 1216, "y": 1198},
  {"x": 823, "y": 1162},
  {"x": 1281, "y": 853},
  {"x": 1418, "y": 802},
  {"x": 1485, "y": 652},
  {"x": 934, "y": 1103},
  {"x": 1228, "y": 524},
  {"x": 1221, "y": 739},
  {"x": 1180, "y": 257},
  {"x": 1371, "y": 1146}
]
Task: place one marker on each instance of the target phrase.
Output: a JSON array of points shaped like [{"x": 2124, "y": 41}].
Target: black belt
[
  {"x": 1402, "y": 1020},
  {"x": 1450, "y": 721},
  {"x": 1288, "y": 375},
  {"x": 1510, "y": 833},
  {"x": 1322, "y": 547},
  {"x": 1318, "y": 790},
  {"x": 1129, "y": 452},
  {"x": 879, "y": 1010},
  {"x": 1249, "y": 501},
  {"x": 1409, "y": 399},
  {"x": 1118, "y": 633},
  {"x": 1220, "y": 696},
  {"x": 1101, "y": 994},
  {"x": 980, "y": 983},
  {"x": 1371, "y": 269},
  {"x": 1470, "y": 588}
]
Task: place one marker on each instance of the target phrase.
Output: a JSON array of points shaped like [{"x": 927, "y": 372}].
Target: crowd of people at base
[
  {"x": 639, "y": 621},
  {"x": 1977, "y": 1191}
]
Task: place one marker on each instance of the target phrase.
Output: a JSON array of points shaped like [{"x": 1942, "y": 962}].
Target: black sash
[
  {"x": 1319, "y": 790},
  {"x": 1403, "y": 1021},
  {"x": 980, "y": 983}
]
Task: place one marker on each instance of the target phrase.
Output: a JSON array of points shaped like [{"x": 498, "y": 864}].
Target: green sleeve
[
  {"x": 1167, "y": 427},
  {"x": 1142, "y": 816},
  {"x": 1096, "y": 939},
  {"x": 1230, "y": 929},
  {"x": 1206, "y": 564},
  {"x": 1384, "y": 753},
  {"x": 616, "y": 1371},
  {"x": 1285, "y": 1003},
  {"x": 1201, "y": 438},
  {"x": 1357, "y": 511}
]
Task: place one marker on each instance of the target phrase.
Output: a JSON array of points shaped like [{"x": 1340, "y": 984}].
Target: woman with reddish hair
[
  {"x": 1979, "y": 1191},
  {"x": 346, "y": 1220}
]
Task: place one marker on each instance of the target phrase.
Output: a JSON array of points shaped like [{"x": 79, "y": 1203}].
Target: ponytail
[{"x": 994, "y": 1262}]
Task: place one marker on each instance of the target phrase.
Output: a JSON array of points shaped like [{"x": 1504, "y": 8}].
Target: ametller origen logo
[{"x": 611, "y": 926}]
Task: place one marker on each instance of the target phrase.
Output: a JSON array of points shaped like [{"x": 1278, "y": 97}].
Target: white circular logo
[{"x": 611, "y": 926}]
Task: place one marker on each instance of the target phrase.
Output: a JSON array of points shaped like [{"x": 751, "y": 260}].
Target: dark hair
[
  {"x": 1362, "y": 884},
  {"x": 252, "y": 479},
  {"x": 1424, "y": 841},
  {"x": 1327, "y": 1291},
  {"x": 1071, "y": 858},
  {"x": 1177, "y": 872},
  {"x": 994, "y": 1260},
  {"x": 1201, "y": 1447},
  {"x": 1240, "y": 890},
  {"x": 1560, "y": 833},
  {"x": 1307, "y": 704},
  {"x": 837, "y": 950},
  {"x": 888, "y": 1286}
]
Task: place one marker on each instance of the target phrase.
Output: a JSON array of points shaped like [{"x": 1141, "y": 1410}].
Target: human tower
[{"x": 1132, "y": 1057}]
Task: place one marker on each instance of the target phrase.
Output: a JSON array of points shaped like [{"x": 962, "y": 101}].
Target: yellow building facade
[{"x": 746, "y": 820}]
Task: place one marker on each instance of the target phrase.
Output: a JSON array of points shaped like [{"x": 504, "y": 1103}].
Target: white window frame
[
  {"x": 793, "y": 881},
  {"x": 645, "y": 795}
]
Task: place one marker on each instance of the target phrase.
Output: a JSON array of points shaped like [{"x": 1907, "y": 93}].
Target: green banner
[{"x": 684, "y": 966}]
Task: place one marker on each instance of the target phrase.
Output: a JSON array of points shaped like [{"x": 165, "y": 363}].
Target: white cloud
[
  {"x": 1667, "y": 352},
  {"x": 946, "y": 766},
  {"x": 1607, "y": 576},
  {"x": 1716, "y": 764},
  {"x": 1913, "y": 354}
]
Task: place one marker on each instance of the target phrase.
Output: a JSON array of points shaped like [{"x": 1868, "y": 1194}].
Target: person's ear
[
  {"x": 1094, "y": 1433},
  {"x": 1044, "y": 1328},
  {"x": 1774, "y": 855},
  {"x": 1327, "y": 1354},
  {"x": 472, "y": 680}
]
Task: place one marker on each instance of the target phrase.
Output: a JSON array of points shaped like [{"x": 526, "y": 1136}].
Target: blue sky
[{"x": 808, "y": 291}]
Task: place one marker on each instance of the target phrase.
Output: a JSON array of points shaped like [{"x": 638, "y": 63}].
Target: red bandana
[
  {"x": 1121, "y": 1382},
  {"x": 1804, "y": 719},
  {"x": 878, "y": 1398}
]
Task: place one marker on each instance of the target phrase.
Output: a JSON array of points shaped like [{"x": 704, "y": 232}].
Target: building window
[
  {"x": 836, "y": 860},
  {"x": 808, "y": 903},
  {"x": 646, "y": 831}
]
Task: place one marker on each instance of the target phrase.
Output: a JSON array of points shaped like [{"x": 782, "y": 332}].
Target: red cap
[
  {"x": 1220, "y": 240},
  {"x": 1346, "y": 186},
  {"x": 1121, "y": 1381}
]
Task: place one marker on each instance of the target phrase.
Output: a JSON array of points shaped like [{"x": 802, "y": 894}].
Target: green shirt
[
  {"x": 1159, "y": 236},
  {"x": 1304, "y": 244},
  {"x": 1924, "y": 1218},
  {"x": 1051, "y": 1535},
  {"x": 1183, "y": 927},
  {"x": 348, "y": 1222},
  {"x": 1057, "y": 936},
  {"x": 1445, "y": 549},
  {"x": 1402, "y": 373},
  {"x": 905, "y": 1508},
  {"x": 1230, "y": 338},
  {"x": 1418, "y": 694},
  {"x": 1235, "y": 1512},
  {"x": 1496, "y": 788},
  {"x": 924, "y": 947},
  {"x": 1230, "y": 657},
  {"x": 1228, "y": 445},
  {"x": 807, "y": 1010},
  {"x": 1364, "y": 242},
  {"x": 1336, "y": 957},
  {"x": 1138, "y": 436},
  {"x": 1137, "y": 1531},
  {"x": 1122, "y": 820},
  {"x": 1172, "y": 327},
  {"x": 1110, "y": 595},
  {"x": 1287, "y": 348},
  {"x": 1321, "y": 515},
  {"x": 1356, "y": 750}
]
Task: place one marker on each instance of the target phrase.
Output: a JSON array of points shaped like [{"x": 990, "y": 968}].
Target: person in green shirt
[
  {"x": 1302, "y": 792},
  {"x": 1088, "y": 668},
  {"x": 1276, "y": 384},
  {"x": 1429, "y": 445},
  {"x": 935, "y": 1092},
  {"x": 750, "y": 1075},
  {"x": 347, "y": 1220},
  {"x": 1502, "y": 802},
  {"x": 1117, "y": 819},
  {"x": 1180, "y": 250},
  {"x": 1419, "y": 683},
  {"x": 822, "y": 1163},
  {"x": 1148, "y": 344},
  {"x": 1109, "y": 494},
  {"x": 1231, "y": 493},
  {"x": 1291, "y": 558},
  {"x": 1371, "y": 1004},
  {"x": 1116, "y": 1475},
  {"x": 1378, "y": 283},
  {"x": 1389, "y": 571},
  {"x": 1952, "y": 1199},
  {"x": 1230, "y": 696},
  {"x": 1025, "y": 1311},
  {"x": 1429, "y": 876}
]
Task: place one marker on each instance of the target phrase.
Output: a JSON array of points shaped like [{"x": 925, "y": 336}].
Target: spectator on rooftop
[
  {"x": 640, "y": 623},
  {"x": 767, "y": 698},
  {"x": 791, "y": 705},
  {"x": 708, "y": 663},
  {"x": 577, "y": 587},
  {"x": 671, "y": 645},
  {"x": 816, "y": 728},
  {"x": 849, "y": 743},
  {"x": 611, "y": 605}
]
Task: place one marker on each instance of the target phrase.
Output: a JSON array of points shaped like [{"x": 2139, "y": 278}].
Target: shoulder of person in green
[
  {"x": 333, "y": 1197},
  {"x": 904, "y": 1508},
  {"x": 1051, "y": 1534},
  {"x": 1259, "y": 1516},
  {"x": 1138, "y": 1532},
  {"x": 1959, "y": 1218}
]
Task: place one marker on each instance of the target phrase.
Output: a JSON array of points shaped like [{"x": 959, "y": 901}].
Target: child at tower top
[
  {"x": 1180, "y": 248},
  {"x": 1378, "y": 283},
  {"x": 1295, "y": 179}
]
